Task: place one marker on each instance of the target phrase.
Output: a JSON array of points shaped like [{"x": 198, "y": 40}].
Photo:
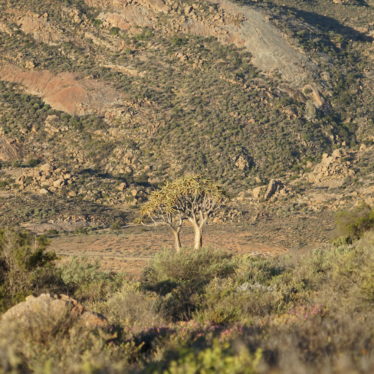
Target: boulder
[
  {"x": 72, "y": 194},
  {"x": 58, "y": 309},
  {"x": 58, "y": 183},
  {"x": 122, "y": 186},
  {"x": 273, "y": 187},
  {"x": 242, "y": 163},
  {"x": 46, "y": 168},
  {"x": 258, "y": 192}
]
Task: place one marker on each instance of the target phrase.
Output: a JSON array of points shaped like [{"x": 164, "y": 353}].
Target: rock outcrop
[
  {"x": 332, "y": 170},
  {"x": 47, "y": 178},
  {"x": 57, "y": 310},
  {"x": 270, "y": 191},
  {"x": 9, "y": 150},
  {"x": 38, "y": 26},
  {"x": 273, "y": 187}
]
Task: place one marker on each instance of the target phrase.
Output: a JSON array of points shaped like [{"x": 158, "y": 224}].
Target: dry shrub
[{"x": 133, "y": 309}]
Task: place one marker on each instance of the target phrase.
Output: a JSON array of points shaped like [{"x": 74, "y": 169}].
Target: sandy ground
[{"x": 130, "y": 249}]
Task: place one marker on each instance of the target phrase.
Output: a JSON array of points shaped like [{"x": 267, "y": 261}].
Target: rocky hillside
[{"x": 102, "y": 100}]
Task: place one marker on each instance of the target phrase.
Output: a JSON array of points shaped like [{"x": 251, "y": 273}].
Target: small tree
[
  {"x": 191, "y": 198},
  {"x": 159, "y": 209}
]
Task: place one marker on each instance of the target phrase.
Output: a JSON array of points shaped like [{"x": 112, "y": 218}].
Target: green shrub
[
  {"x": 26, "y": 267},
  {"x": 219, "y": 358},
  {"x": 179, "y": 278},
  {"x": 222, "y": 303},
  {"x": 87, "y": 281},
  {"x": 261, "y": 269}
]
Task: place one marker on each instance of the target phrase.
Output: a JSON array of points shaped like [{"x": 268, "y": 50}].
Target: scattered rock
[
  {"x": 122, "y": 187},
  {"x": 242, "y": 163},
  {"x": 58, "y": 183},
  {"x": 38, "y": 26},
  {"x": 273, "y": 187},
  {"x": 71, "y": 194},
  {"x": 5, "y": 29},
  {"x": 46, "y": 168},
  {"x": 314, "y": 95},
  {"x": 9, "y": 150},
  {"x": 332, "y": 170},
  {"x": 73, "y": 14}
]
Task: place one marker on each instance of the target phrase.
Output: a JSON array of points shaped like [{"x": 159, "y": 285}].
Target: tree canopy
[{"x": 192, "y": 197}]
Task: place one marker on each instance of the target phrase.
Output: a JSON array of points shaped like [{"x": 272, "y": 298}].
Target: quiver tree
[
  {"x": 159, "y": 208},
  {"x": 191, "y": 198},
  {"x": 198, "y": 199}
]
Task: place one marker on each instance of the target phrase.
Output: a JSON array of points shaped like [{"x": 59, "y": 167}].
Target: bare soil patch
[{"x": 65, "y": 91}]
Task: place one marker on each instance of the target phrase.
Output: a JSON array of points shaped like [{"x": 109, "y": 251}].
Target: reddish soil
[
  {"x": 65, "y": 91},
  {"x": 130, "y": 250}
]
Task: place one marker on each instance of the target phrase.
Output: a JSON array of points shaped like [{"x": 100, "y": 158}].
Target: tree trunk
[
  {"x": 177, "y": 240},
  {"x": 198, "y": 236}
]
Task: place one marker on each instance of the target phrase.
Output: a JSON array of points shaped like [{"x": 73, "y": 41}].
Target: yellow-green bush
[
  {"x": 87, "y": 281},
  {"x": 352, "y": 224},
  {"x": 219, "y": 358}
]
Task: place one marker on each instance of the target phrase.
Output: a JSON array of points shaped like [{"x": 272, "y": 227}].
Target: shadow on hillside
[
  {"x": 141, "y": 181},
  {"x": 327, "y": 24},
  {"x": 324, "y": 23}
]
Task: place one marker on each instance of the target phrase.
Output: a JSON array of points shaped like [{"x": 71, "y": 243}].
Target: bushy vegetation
[
  {"x": 209, "y": 311},
  {"x": 352, "y": 224},
  {"x": 26, "y": 267},
  {"x": 87, "y": 281},
  {"x": 180, "y": 279}
]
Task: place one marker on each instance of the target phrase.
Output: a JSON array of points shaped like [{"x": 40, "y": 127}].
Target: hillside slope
[{"x": 103, "y": 100}]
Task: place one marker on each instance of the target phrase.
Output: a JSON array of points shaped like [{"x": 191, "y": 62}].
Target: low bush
[
  {"x": 87, "y": 281},
  {"x": 180, "y": 279},
  {"x": 352, "y": 224},
  {"x": 208, "y": 311},
  {"x": 133, "y": 309},
  {"x": 221, "y": 357},
  {"x": 56, "y": 344},
  {"x": 26, "y": 267}
]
